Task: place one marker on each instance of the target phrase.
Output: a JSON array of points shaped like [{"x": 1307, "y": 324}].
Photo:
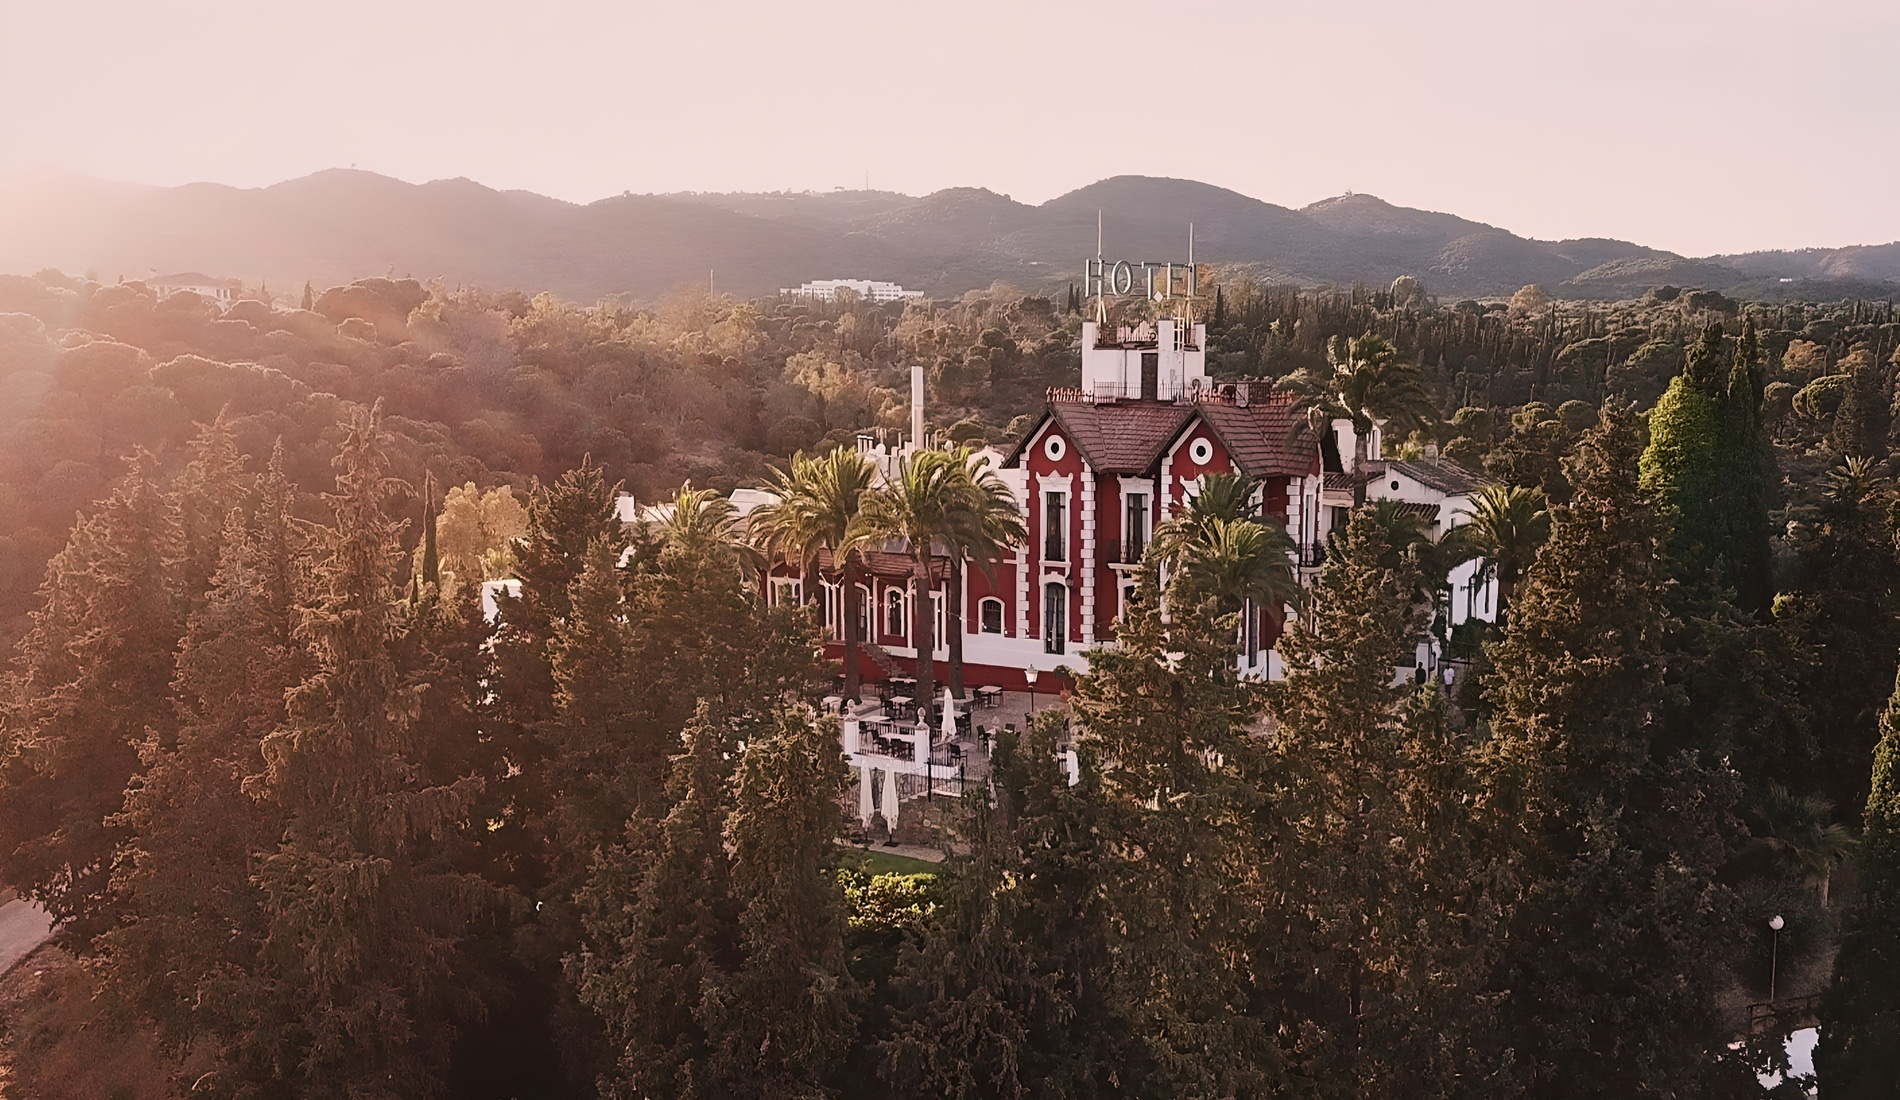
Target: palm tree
[
  {"x": 916, "y": 506},
  {"x": 818, "y": 499},
  {"x": 1794, "y": 833},
  {"x": 983, "y": 529},
  {"x": 1368, "y": 385},
  {"x": 1508, "y": 526},
  {"x": 1237, "y": 561},
  {"x": 703, "y": 522},
  {"x": 1219, "y": 548}
]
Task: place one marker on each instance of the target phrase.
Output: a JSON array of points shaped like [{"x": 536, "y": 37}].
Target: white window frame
[
  {"x": 785, "y": 591},
  {"x": 903, "y": 612},
  {"x": 982, "y": 615},
  {"x": 1055, "y": 630},
  {"x": 1063, "y": 496},
  {"x": 1129, "y": 494}
]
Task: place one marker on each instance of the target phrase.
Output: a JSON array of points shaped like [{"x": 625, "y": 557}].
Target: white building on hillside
[
  {"x": 868, "y": 289},
  {"x": 221, "y": 291}
]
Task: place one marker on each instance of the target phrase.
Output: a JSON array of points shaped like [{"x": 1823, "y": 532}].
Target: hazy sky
[{"x": 1694, "y": 125}]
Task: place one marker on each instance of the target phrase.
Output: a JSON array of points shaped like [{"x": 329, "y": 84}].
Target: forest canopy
[{"x": 324, "y": 829}]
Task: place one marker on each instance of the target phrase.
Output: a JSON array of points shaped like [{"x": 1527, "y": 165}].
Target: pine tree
[
  {"x": 1181, "y": 779},
  {"x": 780, "y": 1024},
  {"x": 662, "y": 924},
  {"x": 1007, "y": 995},
  {"x": 1369, "y": 871},
  {"x": 357, "y": 990},
  {"x": 199, "y": 503},
  {"x": 602, "y": 760},
  {"x": 1608, "y": 840},
  {"x": 1859, "y": 1052},
  {"x": 92, "y": 677},
  {"x": 563, "y": 522},
  {"x": 193, "y": 916}
]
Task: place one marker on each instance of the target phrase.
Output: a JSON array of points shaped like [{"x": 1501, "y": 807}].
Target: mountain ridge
[{"x": 336, "y": 225}]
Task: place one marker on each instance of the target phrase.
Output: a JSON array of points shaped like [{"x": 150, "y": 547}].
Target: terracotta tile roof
[
  {"x": 1338, "y": 483},
  {"x": 1442, "y": 474},
  {"x": 1266, "y": 438},
  {"x": 1429, "y": 511},
  {"x": 1121, "y": 437}
]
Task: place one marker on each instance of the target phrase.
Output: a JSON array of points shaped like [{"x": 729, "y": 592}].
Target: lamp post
[
  {"x": 1030, "y": 675},
  {"x": 1775, "y": 924}
]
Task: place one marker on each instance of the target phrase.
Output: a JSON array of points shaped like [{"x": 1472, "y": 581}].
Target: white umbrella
[
  {"x": 890, "y": 798},
  {"x": 865, "y": 808},
  {"x": 949, "y": 716}
]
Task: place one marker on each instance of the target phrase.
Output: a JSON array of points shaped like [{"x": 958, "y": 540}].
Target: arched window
[
  {"x": 894, "y": 612},
  {"x": 1055, "y": 617},
  {"x": 990, "y": 615}
]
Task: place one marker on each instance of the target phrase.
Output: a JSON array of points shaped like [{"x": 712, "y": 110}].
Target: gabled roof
[
  {"x": 1266, "y": 438},
  {"x": 1441, "y": 474},
  {"x": 1121, "y": 437}
]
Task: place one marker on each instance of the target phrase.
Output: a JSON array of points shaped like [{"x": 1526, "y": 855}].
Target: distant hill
[{"x": 339, "y": 225}]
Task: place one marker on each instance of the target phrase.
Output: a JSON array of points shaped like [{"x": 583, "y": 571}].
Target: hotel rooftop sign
[{"x": 1159, "y": 282}]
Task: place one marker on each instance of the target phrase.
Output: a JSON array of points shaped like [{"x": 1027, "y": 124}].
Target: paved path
[
  {"x": 23, "y": 926},
  {"x": 911, "y": 850}
]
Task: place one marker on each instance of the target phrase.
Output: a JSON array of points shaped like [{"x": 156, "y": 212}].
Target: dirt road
[{"x": 23, "y": 926}]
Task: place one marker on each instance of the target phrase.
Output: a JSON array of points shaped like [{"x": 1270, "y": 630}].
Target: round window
[
  {"x": 1395, "y": 486},
  {"x": 1055, "y": 448},
  {"x": 1201, "y": 451}
]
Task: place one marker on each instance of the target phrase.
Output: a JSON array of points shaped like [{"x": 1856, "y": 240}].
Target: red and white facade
[{"x": 1103, "y": 466}]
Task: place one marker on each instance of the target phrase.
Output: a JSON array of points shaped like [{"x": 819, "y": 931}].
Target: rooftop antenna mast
[
  {"x": 1192, "y": 280},
  {"x": 1101, "y": 286}
]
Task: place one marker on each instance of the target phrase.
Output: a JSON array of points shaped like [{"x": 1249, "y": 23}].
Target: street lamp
[
  {"x": 1775, "y": 925},
  {"x": 1030, "y": 675}
]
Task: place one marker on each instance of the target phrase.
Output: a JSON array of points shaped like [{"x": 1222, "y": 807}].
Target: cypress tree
[
  {"x": 1380, "y": 910},
  {"x": 1709, "y": 466},
  {"x": 1859, "y": 1052},
  {"x": 1180, "y": 783},
  {"x": 780, "y": 1024},
  {"x": 661, "y": 925},
  {"x": 1607, "y": 839},
  {"x": 1010, "y": 992},
  {"x": 91, "y": 678},
  {"x": 431, "y": 562},
  {"x": 192, "y": 914},
  {"x": 600, "y": 757},
  {"x": 199, "y": 502},
  {"x": 356, "y": 990}
]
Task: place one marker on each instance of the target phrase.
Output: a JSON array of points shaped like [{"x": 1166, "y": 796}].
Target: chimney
[
  {"x": 1431, "y": 450},
  {"x": 917, "y": 405}
]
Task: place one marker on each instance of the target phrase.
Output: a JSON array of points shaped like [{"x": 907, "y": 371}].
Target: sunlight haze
[{"x": 1701, "y": 134}]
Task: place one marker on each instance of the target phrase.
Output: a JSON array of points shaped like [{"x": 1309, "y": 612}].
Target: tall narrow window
[
  {"x": 939, "y": 621},
  {"x": 1150, "y": 376},
  {"x": 894, "y": 612},
  {"x": 867, "y": 613},
  {"x": 1135, "y": 528},
  {"x": 1055, "y": 527},
  {"x": 1055, "y": 617}
]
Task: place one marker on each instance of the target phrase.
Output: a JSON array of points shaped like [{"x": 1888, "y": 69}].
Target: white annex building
[{"x": 867, "y": 289}]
